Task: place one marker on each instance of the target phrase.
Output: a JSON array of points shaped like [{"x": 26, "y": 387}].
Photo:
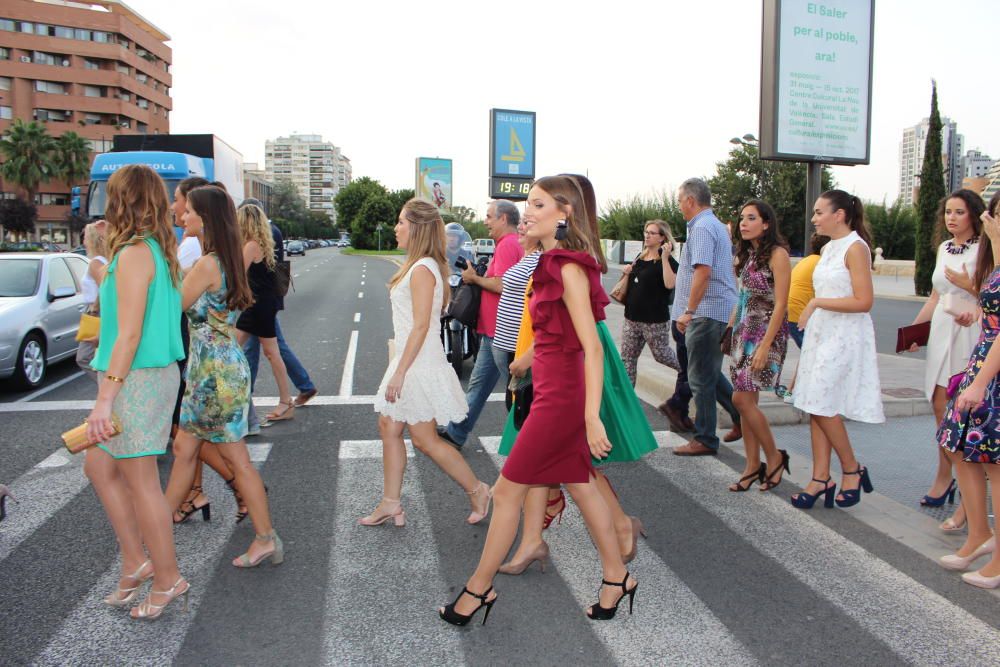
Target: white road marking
[
  {"x": 54, "y": 385},
  {"x": 362, "y": 283},
  {"x": 260, "y": 401},
  {"x": 361, "y": 295},
  {"x": 347, "y": 381},
  {"x": 259, "y": 451},
  {"x": 367, "y": 449},
  {"x": 56, "y": 459},
  {"x": 357, "y": 317},
  {"x": 295, "y": 275}
]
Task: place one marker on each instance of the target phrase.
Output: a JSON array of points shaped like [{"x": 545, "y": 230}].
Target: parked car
[
  {"x": 295, "y": 248},
  {"x": 29, "y": 246},
  {"x": 482, "y": 247},
  {"x": 467, "y": 246},
  {"x": 40, "y": 305}
]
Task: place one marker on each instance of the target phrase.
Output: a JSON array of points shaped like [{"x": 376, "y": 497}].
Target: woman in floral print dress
[
  {"x": 970, "y": 430},
  {"x": 760, "y": 338}
]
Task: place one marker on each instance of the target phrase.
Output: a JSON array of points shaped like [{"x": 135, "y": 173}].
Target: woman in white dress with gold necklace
[{"x": 952, "y": 310}]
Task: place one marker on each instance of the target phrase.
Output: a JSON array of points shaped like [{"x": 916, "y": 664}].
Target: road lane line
[
  {"x": 259, "y": 401},
  {"x": 886, "y": 602},
  {"x": 295, "y": 275},
  {"x": 367, "y": 449},
  {"x": 361, "y": 295},
  {"x": 357, "y": 317},
  {"x": 347, "y": 381},
  {"x": 386, "y": 559},
  {"x": 54, "y": 385},
  {"x": 362, "y": 283},
  {"x": 199, "y": 553}
]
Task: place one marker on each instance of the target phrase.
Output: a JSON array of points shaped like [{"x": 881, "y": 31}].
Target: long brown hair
[
  {"x": 984, "y": 262},
  {"x": 590, "y": 201},
  {"x": 217, "y": 213},
  {"x": 974, "y": 205},
  {"x": 567, "y": 192},
  {"x": 769, "y": 240},
  {"x": 854, "y": 214},
  {"x": 427, "y": 239},
  {"x": 253, "y": 226},
  {"x": 138, "y": 208}
]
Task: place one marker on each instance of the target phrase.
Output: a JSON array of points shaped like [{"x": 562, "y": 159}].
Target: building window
[
  {"x": 8, "y": 25},
  {"x": 100, "y": 145},
  {"x": 65, "y": 33},
  {"x": 46, "y": 199},
  {"x": 141, "y": 103},
  {"x": 91, "y": 64},
  {"x": 92, "y": 119},
  {"x": 4, "y": 53},
  {"x": 27, "y": 27},
  {"x": 6, "y": 113},
  {"x": 141, "y": 78},
  {"x": 84, "y": 35},
  {"x": 102, "y": 37},
  {"x": 54, "y": 115},
  {"x": 42, "y": 58},
  {"x": 52, "y": 87},
  {"x": 93, "y": 91},
  {"x": 125, "y": 97},
  {"x": 5, "y": 82}
]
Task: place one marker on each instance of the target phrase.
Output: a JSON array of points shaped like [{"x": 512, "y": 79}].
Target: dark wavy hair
[
  {"x": 222, "y": 237},
  {"x": 769, "y": 240},
  {"x": 974, "y": 204}
]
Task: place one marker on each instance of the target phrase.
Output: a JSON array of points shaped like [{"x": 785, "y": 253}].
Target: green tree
[
  {"x": 743, "y": 176},
  {"x": 893, "y": 228},
  {"x": 318, "y": 225},
  {"x": 376, "y": 212},
  {"x": 287, "y": 204},
  {"x": 27, "y": 152},
  {"x": 932, "y": 191},
  {"x": 17, "y": 216},
  {"x": 400, "y": 197},
  {"x": 71, "y": 158},
  {"x": 625, "y": 219},
  {"x": 353, "y": 196}
]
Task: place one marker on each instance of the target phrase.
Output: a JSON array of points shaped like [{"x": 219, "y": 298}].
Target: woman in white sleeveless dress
[
  {"x": 420, "y": 390},
  {"x": 952, "y": 310},
  {"x": 838, "y": 370}
]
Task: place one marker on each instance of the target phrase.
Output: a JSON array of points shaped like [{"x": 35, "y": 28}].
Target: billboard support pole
[{"x": 814, "y": 188}]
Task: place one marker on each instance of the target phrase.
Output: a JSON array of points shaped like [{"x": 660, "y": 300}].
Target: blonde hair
[
  {"x": 664, "y": 229},
  {"x": 138, "y": 208},
  {"x": 427, "y": 239},
  {"x": 255, "y": 227},
  {"x": 95, "y": 241}
]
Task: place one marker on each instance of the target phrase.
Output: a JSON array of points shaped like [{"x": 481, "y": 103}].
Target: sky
[{"x": 638, "y": 95}]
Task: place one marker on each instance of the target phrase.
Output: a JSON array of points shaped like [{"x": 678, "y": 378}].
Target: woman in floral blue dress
[
  {"x": 217, "y": 399},
  {"x": 970, "y": 430},
  {"x": 759, "y": 338}
]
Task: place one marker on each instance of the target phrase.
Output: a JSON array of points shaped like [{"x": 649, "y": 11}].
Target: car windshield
[
  {"x": 295, "y": 244},
  {"x": 97, "y": 197},
  {"x": 18, "y": 277}
]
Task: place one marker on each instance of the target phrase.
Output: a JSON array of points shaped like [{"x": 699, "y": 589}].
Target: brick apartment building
[{"x": 96, "y": 68}]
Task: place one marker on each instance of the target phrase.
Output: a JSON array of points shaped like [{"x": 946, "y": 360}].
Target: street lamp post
[
  {"x": 378, "y": 231},
  {"x": 750, "y": 140}
]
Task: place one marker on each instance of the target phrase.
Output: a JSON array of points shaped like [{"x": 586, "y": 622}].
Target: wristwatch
[{"x": 689, "y": 312}]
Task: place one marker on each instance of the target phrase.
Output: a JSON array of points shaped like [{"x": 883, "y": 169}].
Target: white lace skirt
[{"x": 431, "y": 390}]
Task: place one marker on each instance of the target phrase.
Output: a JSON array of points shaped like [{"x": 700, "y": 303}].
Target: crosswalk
[{"x": 724, "y": 578}]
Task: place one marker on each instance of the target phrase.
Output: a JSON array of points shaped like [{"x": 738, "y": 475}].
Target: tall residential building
[
  {"x": 992, "y": 181},
  {"x": 911, "y": 157},
  {"x": 95, "y": 67},
  {"x": 316, "y": 167},
  {"x": 975, "y": 164}
]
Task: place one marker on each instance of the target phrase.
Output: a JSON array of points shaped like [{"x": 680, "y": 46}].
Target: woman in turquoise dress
[
  {"x": 217, "y": 397},
  {"x": 970, "y": 430}
]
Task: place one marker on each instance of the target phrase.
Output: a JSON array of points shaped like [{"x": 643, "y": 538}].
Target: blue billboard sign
[{"x": 512, "y": 143}]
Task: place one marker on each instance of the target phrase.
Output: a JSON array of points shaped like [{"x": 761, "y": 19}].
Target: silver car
[{"x": 40, "y": 305}]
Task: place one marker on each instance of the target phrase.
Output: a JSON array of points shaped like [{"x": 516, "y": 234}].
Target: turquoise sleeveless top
[{"x": 160, "y": 344}]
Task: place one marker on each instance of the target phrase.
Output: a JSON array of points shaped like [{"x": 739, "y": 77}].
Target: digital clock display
[{"x": 510, "y": 188}]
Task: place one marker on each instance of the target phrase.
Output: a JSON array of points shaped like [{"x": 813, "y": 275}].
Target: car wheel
[{"x": 31, "y": 366}]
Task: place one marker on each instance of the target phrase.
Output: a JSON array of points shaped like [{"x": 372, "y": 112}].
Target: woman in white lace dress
[
  {"x": 838, "y": 370},
  {"x": 420, "y": 390}
]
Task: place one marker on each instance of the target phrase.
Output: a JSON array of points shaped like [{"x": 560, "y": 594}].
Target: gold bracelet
[{"x": 115, "y": 378}]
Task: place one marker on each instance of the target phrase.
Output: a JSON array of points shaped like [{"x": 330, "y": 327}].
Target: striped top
[
  {"x": 511, "y": 306},
  {"x": 707, "y": 244}
]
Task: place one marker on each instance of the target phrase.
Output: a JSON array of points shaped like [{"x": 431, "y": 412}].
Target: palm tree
[
  {"x": 71, "y": 158},
  {"x": 27, "y": 151}
]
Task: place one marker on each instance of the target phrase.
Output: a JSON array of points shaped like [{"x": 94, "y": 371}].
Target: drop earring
[{"x": 562, "y": 229}]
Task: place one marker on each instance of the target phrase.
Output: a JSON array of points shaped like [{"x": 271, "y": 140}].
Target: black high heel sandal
[
  {"x": 599, "y": 613},
  {"x": 805, "y": 501},
  {"x": 756, "y": 475},
  {"x": 852, "y": 497},
  {"x": 766, "y": 483},
  {"x": 188, "y": 508},
  {"x": 449, "y": 615}
]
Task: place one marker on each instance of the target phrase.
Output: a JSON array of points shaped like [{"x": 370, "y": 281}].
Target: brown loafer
[
  {"x": 304, "y": 397},
  {"x": 734, "y": 434},
  {"x": 680, "y": 423},
  {"x": 694, "y": 448}
]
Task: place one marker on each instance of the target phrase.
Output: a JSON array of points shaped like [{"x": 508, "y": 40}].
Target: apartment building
[
  {"x": 256, "y": 185},
  {"x": 911, "y": 157},
  {"x": 96, "y": 68},
  {"x": 317, "y": 168}
]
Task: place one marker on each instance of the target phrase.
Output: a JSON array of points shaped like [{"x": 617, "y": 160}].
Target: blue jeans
[
  {"x": 795, "y": 334},
  {"x": 296, "y": 371},
  {"x": 705, "y": 377},
  {"x": 491, "y": 365}
]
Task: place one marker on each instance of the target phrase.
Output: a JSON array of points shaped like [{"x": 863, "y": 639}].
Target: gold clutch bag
[
  {"x": 76, "y": 439},
  {"x": 90, "y": 327}
]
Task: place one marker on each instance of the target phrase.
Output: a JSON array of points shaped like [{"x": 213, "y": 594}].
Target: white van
[{"x": 481, "y": 247}]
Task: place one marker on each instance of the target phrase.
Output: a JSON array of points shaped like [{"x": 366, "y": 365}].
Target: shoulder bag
[
  {"x": 464, "y": 304},
  {"x": 620, "y": 291},
  {"x": 283, "y": 277}
]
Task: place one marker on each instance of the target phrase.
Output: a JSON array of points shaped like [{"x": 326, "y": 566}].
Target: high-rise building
[
  {"x": 975, "y": 164},
  {"x": 316, "y": 167},
  {"x": 94, "y": 67},
  {"x": 992, "y": 181},
  {"x": 911, "y": 157}
]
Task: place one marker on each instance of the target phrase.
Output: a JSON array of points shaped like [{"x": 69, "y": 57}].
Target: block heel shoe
[
  {"x": 805, "y": 500},
  {"x": 852, "y": 497}
]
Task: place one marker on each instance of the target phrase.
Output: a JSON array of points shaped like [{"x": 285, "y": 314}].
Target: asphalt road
[{"x": 734, "y": 578}]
